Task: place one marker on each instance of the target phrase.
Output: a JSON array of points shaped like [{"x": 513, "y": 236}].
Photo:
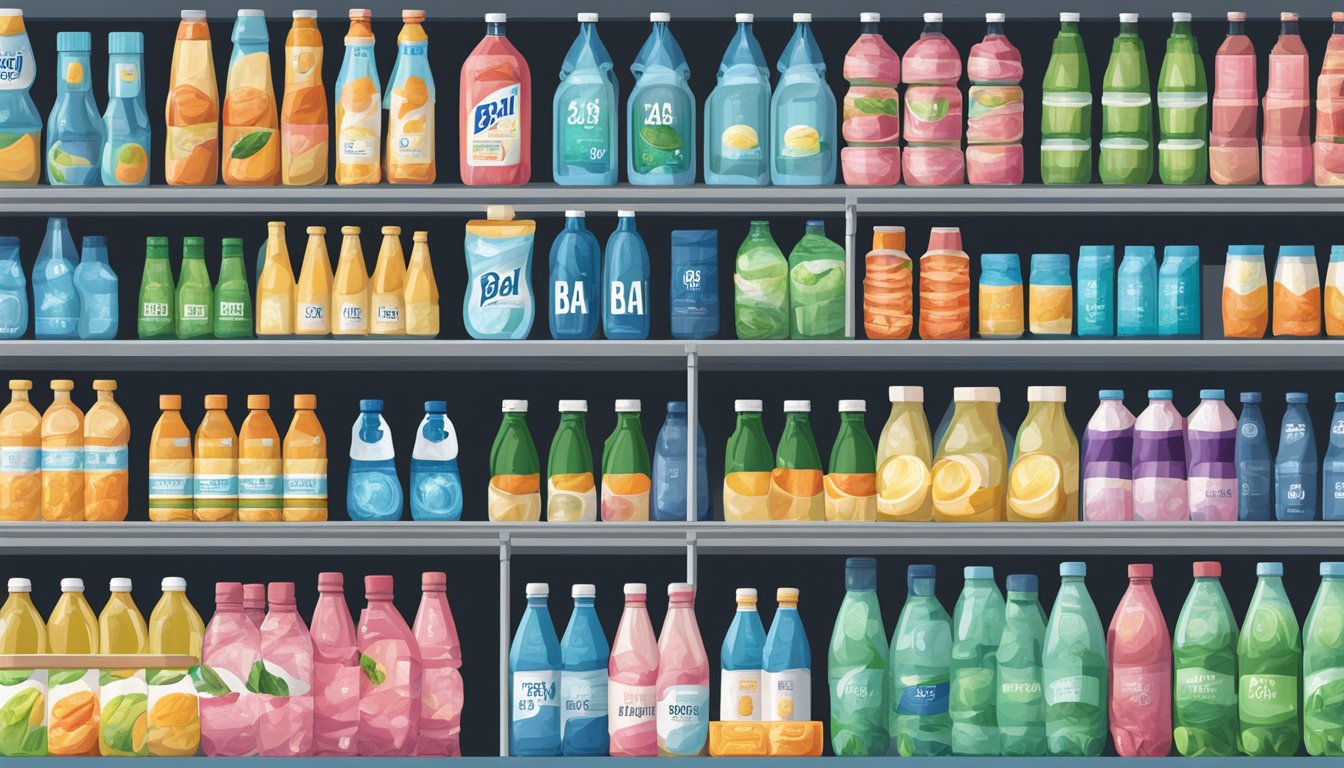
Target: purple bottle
[
  {"x": 1211, "y": 443},
  {"x": 1160, "y": 488},
  {"x": 1108, "y": 449}
]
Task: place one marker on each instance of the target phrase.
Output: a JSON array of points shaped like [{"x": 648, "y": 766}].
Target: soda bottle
[
  {"x": 1161, "y": 488},
  {"x": 171, "y": 488},
  {"x": 174, "y": 628},
  {"x": 359, "y": 117},
  {"x": 660, "y": 114},
  {"x": 422, "y": 293},
  {"x": 1211, "y": 441},
  {"x": 625, "y": 271},
  {"x": 904, "y": 454},
  {"x": 303, "y": 110},
  {"x": 1139, "y": 649},
  {"x": 978, "y": 622},
  {"x": 286, "y": 728},
  {"x": 1234, "y": 147},
  {"x": 312, "y": 293},
  {"x": 495, "y": 111},
  {"x": 625, "y": 468},
  {"x": 22, "y": 631},
  {"x": 436, "y": 488},
  {"x": 1182, "y": 108},
  {"x": 1050, "y": 296},
  {"x": 350, "y": 287},
  {"x": 260, "y": 465},
  {"x": 1204, "y": 650},
  {"x": 1000, "y": 293},
  {"x": 96, "y": 284},
  {"x": 669, "y": 468},
  {"x": 214, "y": 474},
  {"x": 230, "y": 650},
  {"x": 817, "y": 286},
  {"x": 969, "y": 476},
  {"x": 125, "y": 123},
  {"x": 1096, "y": 290},
  {"x": 158, "y": 293},
  {"x": 409, "y": 102},
  {"x": 195, "y": 297},
  {"x": 683, "y": 678},
  {"x": 761, "y": 287},
  {"x": 888, "y": 281},
  {"x": 995, "y": 108},
  {"x": 1295, "y": 464},
  {"x": 304, "y": 461},
  {"x": 583, "y": 682},
  {"x": 1330, "y": 108},
  {"x": 1255, "y": 464},
  {"x": 1286, "y": 159},
  {"x": 694, "y": 299},
  {"x": 919, "y": 671},
  {"x": 20, "y": 456},
  {"x": 632, "y": 673},
  {"x": 576, "y": 280},
  {"x": 390, "y": 687},
  {"x": 1178, "y": 307},
  {"x": 232, "y": 309},
  {"x": 1074, "y": 670},
  {"x": 1297, "y": 292},
  {"x": 72, "y": 694},
  {"x": 498, "y": 302},
  {"x": 1019, "y": 699},
  {"x": 933, "y": 108},
  {"x": 251, "y": 123},
  {"x": 1332, "y": 472},
  {"x": 748, "y": 464},
  {"x": 944, "y": 287},
  {"x": 871, "y": 121},
  {"x": 1321, "y": 664},
  {"x": 1245, "y": 293},
  {"x": 106, "y": 436},
  {"x": 786, "y": 679},
  {"x": 514, "y": 493},
  {"x": 571, "y": 494},
  {"x": 275, "y": 287},
  {"x": 796, "y": 483},
  {"x": 74, "y": 128},
  {"x": 851, "y": 478},
  {"x": 21, "y": 159},
  {"x": 802, "y": 113},
  {"x": 587, "y": 146},
  {"x": 857, "y": 666},
  {"x": 1334, "y": 292},
  {"x": 737, "y": 113},
  {"x": 56, "y": 307},
  {"x": 62, "y": 456},
  {"x": 1066, "y": 109},
  {"x": 1126, "y": 110},
  {"x": 1269, "y": 662},
  {"x": 436, "y": 635},
  {"x": 387, "y": 287},
  {"x": 535, "y": 668},
  {"x": 191, "y": 150},
  {"x": 13, "y": 291},
  {"x": 742, "y": 662},
  {"x": 1108, "y": 455},
  {"x": 373, "y": 491},
  {"x": 1043, "y": 481},
  {"x": 254, "y": 603},
  {"x": 336, "y": 672}
]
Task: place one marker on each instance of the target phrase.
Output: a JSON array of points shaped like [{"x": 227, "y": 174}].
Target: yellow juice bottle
[
  {"x": 121, "y": 628},
  {"x": 422, "y": 293},
  {"x": 904, "y": 455},
  {"x": 275, "y": 289},
  {"x": 312, "y": 296},
  {"x": 970, "y": 470},
  {"x": 21, "y": 626},
  {"x": 123, "y": 695},
  {"x": 1043, "y": 481},
  {"x": 350, "y": 289},
  {"x": 303, "y": 113},
  {"x": 305, "y": 464},
  {"x": 62, "y": 456},
  {"x": 72, "y": 694},
  {"x": 170, "y": 467},
  {"x": 191, "y": 149},
  {"x": 387, "y": 292},
  {"x": 215, "y": 470},
  {"x": 20, "y": 456},
  {"x": 107, "y": 437},
  {"x": 174, "y": 715},
  {"x": 260, "y": 469},
  {"x": 410, "y": 106},
  {"x": 251, "y": 121},
  {"x": 359, "y": 115},
  {"x": 23, "y": 695}
]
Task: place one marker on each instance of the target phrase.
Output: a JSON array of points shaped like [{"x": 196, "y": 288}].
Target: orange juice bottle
[
  {"x": 275, "y": 289},
  {"x": 1334, "y": 292},
  {"x": 387, "y": 294},
  {"x": 422, "y": 293},
  {"x": 215, "y": 470},
  {"x": 107, "y": 437},
  {"x": 303, "y": 113},
  {"x": 251, "y": 123},
  {"x": 305, "y": 464},
  {"x": 359, "y": 116},
  {"x": 62, "y": 456},
  {"x": 191, "y": 151},
  {"x": 312, "y": 296},
  {"x": 20, "y": 456},
  {"x": 410, "y": 106},
  {"x": 170, "y": 486},
  {"x": 259, "y": 465},
  {"x": 350, "y": 289}
]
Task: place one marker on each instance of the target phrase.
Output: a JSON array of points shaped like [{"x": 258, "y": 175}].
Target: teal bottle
[
  {"x": 802, "y": 113},
  {"x": 1323, "y": 667},
  {"x": 1182, "y": 109},
  {"x": 737, "y": 114},
  {"x": 1074, "y": 670},
  {"x": 920, "y": 671},
  {"x": 74, "y": 127},
  {"x": 660, "y": 119},
  {"x": 587, "y": 146},
  {"x": 742, "y": 662},
  {"x": 1020, "y": 701},
  {"x": 856, "y": 666},
  {"x": 978, "y": 620},
  {"x": 126, "y": 123},
  {"x": 1126, "y": 110},
  {"x": 1204, "y": 660},
  {"x": 1269, "y": 662}
]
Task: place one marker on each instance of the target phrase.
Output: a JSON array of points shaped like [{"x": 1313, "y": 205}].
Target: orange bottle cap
[
  {"x": 62, "y": 385},
  {"x": 216, "y": 402},
  {"x": 412, "y": 16},
  {"x": 258, "y": 402},
  {"x": 360, "y": 13},
  {"x": 104, "y": 385},
  {"x": 888, "y": 238},
  {"x": 170, "y": 402},
  {"x": 305, "y": 402}
]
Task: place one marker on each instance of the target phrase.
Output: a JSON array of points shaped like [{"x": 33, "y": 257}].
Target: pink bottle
[
  {"x": 632, "y": 676},
  {"x": 1286, "y": 157},
  {"x": 1108, "y": 454},
  {"x": 683, "y": 678},
  {"x": 254, "y": 603},
  {"x": 1211, "y": 453},
  {"x": 336, "y": 672},
  {"x": 1139, "y": 649},
  {"x": 1329, "y": 156},
  {"x": 872, "y": 112},
  {"x": 1234, "y": 148},
  {"x": 441, "y": 703},
  {"x": 495, "y": 111},
  {"x": 287, "y": 651},
  {"x": 1161, "y": 490},
  {"x": 230, "y": 648},
  {"x": 389, "y": 688},
  {"x": 932, "y": 69},
  {"x": 994, "y": 111}
]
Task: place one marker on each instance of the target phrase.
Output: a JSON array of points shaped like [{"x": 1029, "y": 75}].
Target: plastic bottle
[
  {"x": 857, "y": 666},
  {"x": 436, "y": 488},
  {"x": 1001, "y": 305},
  {"x": 1286, "y": 159},
  {"x": 231, "y": 649},
  {"x": 761, "y": 287},
  {"x": 669, "y": 468},
  {"x": 1108, "y": 469},
  {"x": 742, "y": 662},
  {"x": 1043, "y": 481},
  {"x": 1096, "y": 290},
  {"x": 626, "y": 482},
  {"x": 1334, "y": 289},
  {"x": 336, "y": 671},
  {"x": 496, "y": 111},
  {"x": 174, "y": 628},
  {"x": 803, "y": 146},
  {"x": 660, "y": 114},
  {"x": 1204, "y": 651},
  {"x": 286, "y": 728},
  {"x": 1255, "y": 464},
  {"x": 1329, "y": 106},
  {"x": 625, "y": 283},
  {"x": 22, "y": 158},
  {"x": 683, "y": 679},
  {"x": 583, "y": 682},
  {"x": 817, "y": 286},
  {"x": 1297, "y": 292},
  {"x": 1332, "y": 471},
  {"x": 904, "y": 455},
  {"x": 994, "y": 108},
  {"x": 945, "y": 287},
  {"x": 303, "y": 112},
  {"x": 387, "y": 287},
  {"x": 498, "y": 302},
  {"x": 1234, "y": 147},
  {"x": 409, "y": 101},
  {"x": 1136, "y": 299},
  {"x": 422, "y": 292},
  {"x": 96, "y": 284},
  {"x": 313, "y": 292},
  {"x": 514, "y": 493},
  {"x": 796, "y": 484},
  {"x": 1182, "y": 108},
  {"x": 107, "y": 434},
  {"x": 978, "y": 626},
  {"x": 191, "y": 148},
  {"x": 72, "y": 693},
  {"x": 632, "y": 674},
  {"x": 390, "y": 687},
  {"x": 359, "y": 117},
  {"x": 1295, "y": 464},
  {"x": 22, "y": 631},
  {"x": 155, "y": 318},
  {"x": 350, "y": 287},
  {"x": 260, "y": 465},
  {"x": 195, "y": 297},
  {"x": 62, "y": 456},
  {"x": 576, "y": 281},
  {"x": 441, "y": 653},
  {"x": 786, "y": 679},
  {"x": 871, "y": 122},
  {"x": 586, "y": 147},
  {"x": 304, "y": 463},
  {"x": 1321, "y": 665},
  {"x": 1050, "y": 298},
  {"x": 1074, "y": 670},
  {"x": 20, "y": 456},
  {"x": 74, "y": 128},
  {"x": 231, "y": 313},
  {"x": 1178, "y": 292},
  {"x": 933, "y": 108},
  {"x": 275, "y": 288},
  {"x": 121, "y": 629},
  {"x": 737, "y": 113},
  {"x": 125, "y": 123},
  {"x": 535, "y": 676},
  {"x": 254, "y": 603},
  {"x": 694, "y": 300},
  {"x": 1161, "y": 489},
  {"x": 251, "y": 137},
  {"x": 1245, "y": 293},
  {"x": 748, "y": 463},
  {"x": 1019, "y": 697},
  {"x": 888, "y": 285},
  {"x": 1066, "y": 109},
  {"x": 171, "y": 488},
  {"x": 919, "y": 670},
  {"x": 1139, "y": 650},
  {"x": 13, "y": 291},
  {"x": 1126, "y": 110},
  {"x": 1211, "y": 442},
  {"x": 373, "y": 491},
  {"x": 970, "y": 470},
  {"x": 571, "y": 493},
  {"x": 214, "y": 475},
  {"x": 1269, "y": 663},
  {"x": 56, "y": 305},
  {"x": 851, "y": 478}
]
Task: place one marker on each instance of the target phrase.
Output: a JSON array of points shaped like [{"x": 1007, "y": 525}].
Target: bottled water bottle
[
  {"x": 97, "y": 286},
  {"x": 374, "y": 491},
  {"x": 669, "y": 469},
  {"x": 436, "y": 488}
]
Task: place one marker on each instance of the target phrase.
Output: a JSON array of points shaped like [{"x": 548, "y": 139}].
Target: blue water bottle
[
  {"x": 742, "y": 662},
  {"x": 802, "y": 113},
  {"x": 436, "y": 488},
  {"x": 583, "y": 683},
  {"x": 74, "y": 127},
  {"x": 786, "y": 685},
  {"x": 737, "y": 113},
  {"x": 13, "y": 291},
  {"x": 373, "y": 491},
  {"x": 660, "y": 124},
  {"x": 576, "y": 265},
  {"x": 1096, "y": 290},
  {"x": 1136, "y": 289},
  {"x": 1295, "y": 466},
  {"x": 1255, "y": 464},
  {"x": 584, "y": 112},
  {"x": 1178, "y": 304},
  {"x": 534, "y": 681},
  {"x": 1332, "y": 474},
  {"x": 625, "y": 298},
  {"x": 695, "y": 283},
  {"x": 55, "y": 300},
  {"x": 669, "y": 469},
  {"x": 97, "y": 286},
  {"x": 125, "y": 122}
]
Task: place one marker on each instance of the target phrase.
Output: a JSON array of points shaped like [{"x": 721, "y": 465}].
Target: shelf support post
[
  {"x": 506, "y": 692},
  {"x": 851, "y": 243},
  {"x": 692, "y": 570},
  {"x": 692, "y": 429}
]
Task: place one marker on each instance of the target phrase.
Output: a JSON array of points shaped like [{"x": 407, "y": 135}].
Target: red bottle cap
[
  {"x": 1140, "y": 570},
  {"x": 331, "y": 581},
  {"x": 228, "y": 592},
  {"x": 1208, "y": 569},
  {"x": 254, "y": 592},
  {"x": 434, "y": 581},
  {"x": 378, "y": 585},
  {"x": 280, "y": 592}
]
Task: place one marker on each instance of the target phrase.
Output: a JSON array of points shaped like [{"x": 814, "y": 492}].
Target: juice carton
[
  {"x": 1066, "y": 109},
  {"x": 1332, "y": 469},
  {"x": 933, "y": 109},
  {"x": 856, "y": 666},
  {"x": 737, "y": 113},
  {"x": 74, "y": 128},
  {"x": 1136, "y": 292},
  {"x": 312, "y": 293},
  {"x": 632, "y": 674},
  {"x": 660, "y": 114},
  {"x": 584, "y": 657},
  {"x": 56, "y": 307},
  {"x": 214, "y": 476},
  {"x": 191, "y": 151},
  {"x": 683, "y": 678},
  {"x": 1297, "y": 292},
  {"x": 995, "y": 108},
  {"x": 670, "y": 467},
  {"x": 1269, "y": 669},
  {"x": 171, "y": 488},
  {"x": 359, "y": 116},
  {"x": 286, "y": 725},
  {"x": 13, "y": 291},
  {"x": 904, "y": 455},
  {"x": 72, "y": 694},
  {"x": 260, "y": 467},
  {"x": 514, "y": 493},
  {"x": 1108, "y": 460},
  {"x": 796, "y": 484},
  {"x": 174, "y": 719},
  {"x": 409, "y": 102},
  {"x": 1096, "y": 290},
  {"x": 1019, "y": 705},
  {"x": 1161, "y": 488},
  {"x": 1178, "y": 305},
  {"x": 125, "y": 153},
  {"x": 625, "y": 468},
  {"x": 304, "y": 462},
  {"x": 748, "y": 464},
  {"x": 231, "y": 650},
  {"x": 62, "y": 456},
  {"x": 22, "y": 631},
  {"x": 350, "y": 288},
  {"x": 422, "y": 292},
  {"x": 1043, "y": 481},
  {"x": 1001, "y": 304},
  {"x": 1286, "y": 158},
  {"x": 20, "y": 456},
  {"x": 888, "y": 285},
  {"x": 817, "y": 286},
  {"x": 158, "y": 293},
  {"x": 584, "y": 112},
  {"x": 373, "y": 491},
  {"x": 1074, "y": 667},
  {"x": 1334, "y": 292},
  {"x": 1296, "y": 464},
  {"x": 1051, "y": 296},
  {"x": 441, "y": 706},
  {"x": 1320, "y": 656},
  {"x": 390, "y": 688},
  {"x": 96, "y": 284},
  {"x": 195, "y": 297},
  {"x": 694, "y": 301},
  {"x": 21, "y": 157},
  {"x": 1246, "y": 293},
  {"x": 336, "y": 671},
  {"x": 495, "y": 111},
  {"x": 1182, "y": 109},
  {"x": 1255, "y": 462},
  {"x": 1139, "y": 650},
  {"x": 741, "y": 661},
  {"x": 534, "y": 680},
  {"x": 275, "y": 289},
  {"x": 571, "y": 495},
  {"x": 1234, "y": 146},
  {"x": 625, "y": 282},
  {"x": 802, "y": 113},
  {"x": 1126, "y": 110},
  {"x": 970, "y": 471},
  {"x": 436, "y": 488},
  {"x": 303, "y": 111},
  {"x": 1211, "y": 440},
  {"x": 122, "y": 694},
  {"x": 978, "y": 624},
  {"x": 786, "y": 679},
  {"x": 945, "y": 287},
  {"x": 251, "y": 123},
  {"x": 871, "y": 122},
  {"x": 107, "y": 433},
  {"x": 1328, "y": 161},
  {"x": 919, "y": 671},
  {"x": 1204, "y": 657},
  {"x": 576, "y": 281},
  {"x": 851, "y": 479},
  {"x": 498, "y": 301},
  {"x": 387, "y": 287}
]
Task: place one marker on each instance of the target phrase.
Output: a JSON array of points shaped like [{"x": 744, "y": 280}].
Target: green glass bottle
[
  {"x": 1269, "y": 663},
  {"x": 232, "y": 316},
  {"x": 796, "y": 483},
  {"x": 1066, "y": 109},
  {"x": 747, "y": 464},
  {"x": 1020, "y": 695},
  {"x": 625, "y": 468},
  {"x": 1126, "y": 110},
  {"x": 1323, "y": 666},
  {"x": 1182, "y": 109},
  {"x": 194, "y": 296},
  {"x": 851, "y": 479},
  {"x": 514, "y": 494},
  {"x": 571, "y": 494},
  {"x": 1204, "y": 665},
  {"x": 158, "y": 295},
  {"x": 816, "y": 286},
  {"x": 761, "y": 287},
  {"x": 856, "y": 666},
  {"x": 978, "y": 627}
]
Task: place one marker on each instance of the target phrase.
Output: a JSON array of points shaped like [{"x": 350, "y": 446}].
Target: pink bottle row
[{"x": 288, "y": 690}]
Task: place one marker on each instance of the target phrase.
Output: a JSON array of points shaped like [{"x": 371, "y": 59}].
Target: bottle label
[
  {"x": 861, "y": 689},
  {"x": 154, "y": 309},
  {"x": 923, "y": 699},
  {"x": 387, "y": 314},
  {"x": 106, "y": 459},
  {"x": 629, "y": 706},
  {"x": 570, "y": 298},
  {"x": 659, "y": 140},
  {"x": 126, "y": 84},
  {"x": 1019, "y": 685},
  {"x": 351, "y": 316},
  {"x": 17, "y": 68},
  {"x": 214, "y": 487},
  {"x": 1140, "y": 686},
  {"x": 1267, "y": 699},
  {"x": 584, "y": 135},
  {"x": 62, "y": 459},
  {"x": 312, "y": 317},
  {"x": 787, "y": 695},
  {"x": 683, "y": 719},
  {"x": 626, "y": 298},
  {"x": 533, "y": 691},
  {"x": 303, "y": 486},
  {"x": 261, "y": 490},
  {"x": 496, "y": 129},
  {"x": 740, "y": 694},
  {"x": 20, "y": 460},
  {"x": 1197, "y": 684},
  {"x": 582, "y": 695},
  {"x": 625, "y": 497},
  {"x": 1073, "y": 689},
  {"x": 232, "y": 310}
]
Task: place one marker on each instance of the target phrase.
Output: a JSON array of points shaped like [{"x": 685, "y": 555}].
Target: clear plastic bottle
[
  {"x": 586, "y": 105},
  {"x": 74, "y": 128},
  {"x": 737, "y": 113}
]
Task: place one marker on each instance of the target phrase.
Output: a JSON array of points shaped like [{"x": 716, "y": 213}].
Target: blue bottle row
[
  {"x": 1284, "y": 485},
  {"x": 74, "y": 296}
]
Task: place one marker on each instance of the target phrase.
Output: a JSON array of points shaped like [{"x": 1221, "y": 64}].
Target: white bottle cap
[
  {"x": 1289, "y": 16},
  {"x": 186, "y": 15},
  {"x": 627, "y": 406},
  {"x": 305, "y": 14},
  {"x": 173, "y": 584},
  {"x": 575, "y": 214},
  {"x": 853, "y": 406},
  {"x": 678, "y": 587},
  {"x": 72, "y": 585},
  {"x": 1236, "y": 15},
  {"x": 538, "y": 589},
  {"x": 583, "y": 590},
  {"x": 1129, "y": 18},
  {"x": 744, "y": 18},
  {"x": 1180, "y": 15},
  {"x": 1045, "y": 394},
  {"x": 994, "y": 18},
  {"x": 119, "y": 584},
  {"x": 869, "y": 17},
  {"x": 19, "y": 584},
  {"x": 496, "y": 18},
  {"x": 802, "y": 18},
  {"x": 797, "y": 406},
  {"x": 746, "y": 593},
  {"x": 976, "y": 394},
  {"x": 1072, "y": 16},
  {"x": 514, "y": 406},
  {"x": 905, "y": 394},
  {"x": 933, "y": 18},
  {"x": 945, "y": 230},
  {"x": 573, "y": 406},
  {"x": 748, "y": 406},
  {"x": 250, "y": 13},
  {"x": 499, "y": 212},
  {"x": 19, "y": 11},
  {"x": 587, "y": 18},
  {"x": 625, "y": 214},
  {"x": 636, "y": 588},
  {"x": 658, "y": 16}
]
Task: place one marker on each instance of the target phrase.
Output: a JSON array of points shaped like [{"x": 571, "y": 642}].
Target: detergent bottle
[
  {"x": 436, "y": 488},
  {"x": 496, "y": 111},
  {"x": 587, "y": 145},
  {"x": 303, "y": 109},
  {"x": 251, "y": 123},
  {"x": 21, "y": 128},
  {"x": 373, "y": 491},
  {"x": 20, "y": 456},
  {"x": 191, "y": 151},
  {"x": 409, "y": 102},
  {"x": 737, "y": 114},
  {"x": 55, "y": 298},
  {"x": 107, "y": 435},
  {"x": 359, "y": 117},
  {"x": 660, "y": 117},
  {"x": 62, "y": 456},
  {"x": 74, "y": 128},
  {"x": 802, "y": 113},
  {"x": 498, "y": 303}
]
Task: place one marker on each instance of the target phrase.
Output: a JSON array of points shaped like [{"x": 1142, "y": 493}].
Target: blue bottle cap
[
  {"x": 1269, "y": 569},
  {"x": 1336, "y": 252},
  {"x": 1159, "y": 394},
  {"x": 1002, "y": 262},
  {"x": 1111, "y": 394},
  {"x": 1296, "y": 397},
  {"x": 74, "y": 42},
  {"x": 815, "y": 223},
  {"x": 1212, "y": 394},
  {"x": 860, "y": 574},
  {"x": 1245, "y": 250},
  {"x": 1140, "y": 251},
  {"x": 921, "y": 571},
  {"x": 1297, "y": 250},
  {"x": 1055, "y": 261},
  {"x": 9, "y": 241},
  {"x": 1339, "y": 397},
  {"x": 1022, "y": 582},
  {"x": 1073, "y": 568},
  {"x": 1097, "y": 251},
  {"x": 125, "y": 42},
  {"x": 676, "y": 406},
  {"x": 978, "y": 572},
  {"x": 1332, "y": 569},
  {"x": 1250, "y": 397},
  {"x": 436, "y": 406},
  {"x": 93, "y": 241},
  {"x": 1181, "y": 252},
  {"x": 371, "y": 405}
]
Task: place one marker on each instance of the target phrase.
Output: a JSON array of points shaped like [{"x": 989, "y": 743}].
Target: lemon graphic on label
[
  {"x": 801, "y": 140},
  {"x": 744, "y": 708},
  {"x": 740, "y": 137},
  {"x": 1035, "y": 486},
  {"x": 902, "y": 486}
]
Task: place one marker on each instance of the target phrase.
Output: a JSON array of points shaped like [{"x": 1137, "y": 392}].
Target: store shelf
[{"x": 701, "y": 762}]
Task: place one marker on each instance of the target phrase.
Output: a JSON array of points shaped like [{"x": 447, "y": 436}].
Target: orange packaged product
[
  {"x": 62, "y": 456},
  {"x": 191, "y": 154},
  {"x": 888, "y": 286},
  {"x": 1245, "y": 293},
  {"x": 303, "y": 112},
  {"x": 20, "y": 456},
  {"x": 251, "y": 121},
  {"x": 945, "y": 287},
  {"x": 1334, "y": 292},
  {"x": 107, "y": 437},
  {"x": 1297, "y": 292}
]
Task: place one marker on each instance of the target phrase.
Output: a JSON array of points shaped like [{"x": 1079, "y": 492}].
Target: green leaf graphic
[
  {"x": 249, "y": 145},
  {"x": 872, "y": 105},
  {"x": 372, "y": 669}
]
